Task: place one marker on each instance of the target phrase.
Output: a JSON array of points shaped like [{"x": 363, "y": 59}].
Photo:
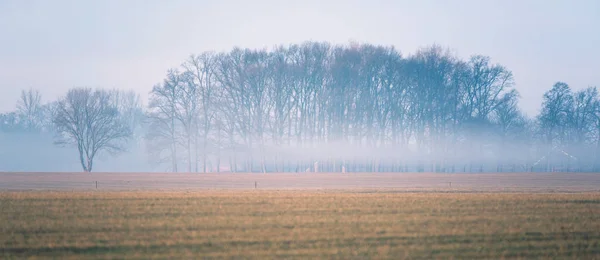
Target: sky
[{"x": 130, "y": 44}]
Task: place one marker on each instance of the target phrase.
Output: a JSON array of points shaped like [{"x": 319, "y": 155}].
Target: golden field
[{"x": 298, "y": 224}]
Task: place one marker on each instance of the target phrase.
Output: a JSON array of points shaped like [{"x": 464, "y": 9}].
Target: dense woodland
[{"x": 324, "y": 108}]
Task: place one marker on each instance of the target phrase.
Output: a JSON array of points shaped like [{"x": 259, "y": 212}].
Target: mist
[{"x": 309, "y": 107}]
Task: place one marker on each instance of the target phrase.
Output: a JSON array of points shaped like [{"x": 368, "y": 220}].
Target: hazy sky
[{"x": 53, "y": 45}]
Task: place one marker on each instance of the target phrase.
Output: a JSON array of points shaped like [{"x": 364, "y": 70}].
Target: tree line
[{"x": 331, "y": 108}]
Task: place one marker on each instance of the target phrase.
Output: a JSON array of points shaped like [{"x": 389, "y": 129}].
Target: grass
[{"x": 298, "y": 224}]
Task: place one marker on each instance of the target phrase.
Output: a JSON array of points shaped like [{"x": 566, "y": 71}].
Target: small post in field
[
  {"x": 96, "y": 184},
  {"x": 254, "y": 185}
]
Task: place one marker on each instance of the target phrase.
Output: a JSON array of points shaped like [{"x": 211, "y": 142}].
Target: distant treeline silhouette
[{"x": 329, "y": 108}]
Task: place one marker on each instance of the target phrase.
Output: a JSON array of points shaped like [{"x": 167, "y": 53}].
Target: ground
[
  {"x": 452, "y": 182},
  {"x": 394, "y": 216}
]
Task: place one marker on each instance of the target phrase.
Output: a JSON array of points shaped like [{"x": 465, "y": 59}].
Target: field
[
  {"x": 469, "y": 182},
  {"x": 479, "y": 216}
]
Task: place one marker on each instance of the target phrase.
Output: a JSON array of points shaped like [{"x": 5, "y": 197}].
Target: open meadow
[{"x": 524, "y": 220}]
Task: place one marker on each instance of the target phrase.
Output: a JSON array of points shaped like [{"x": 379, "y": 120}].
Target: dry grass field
[{"x": 261, "y": 224}]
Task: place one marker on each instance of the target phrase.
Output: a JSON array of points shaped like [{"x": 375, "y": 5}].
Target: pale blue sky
[{"x": 53, "y": 45}]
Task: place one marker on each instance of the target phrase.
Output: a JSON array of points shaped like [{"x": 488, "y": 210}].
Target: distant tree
[
  {"x": 486, "y": 85},
  {"x": 163, "y": 133},
  {"x": 202, "y": 69},
  {"x": 130, "y": 109},
  {"x": 507, "y": 115},
  {"x": 11, "y": 122},
  {"x": 556, "y": 109},
  {"x": 581, "y": 120},
  {"x": 90, "y": 121},
  {"x": 596, "y": 121},
  {"x": 47, "y": 116},
  {"x": 29, "y": 108},
  {"x": 512, "y": 127},
  {"x": 596, "y": 135},
  {"x": 555, "y": 121},
  {"x": 187, "y": 111}
]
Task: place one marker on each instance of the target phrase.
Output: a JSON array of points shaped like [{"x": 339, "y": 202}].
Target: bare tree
[
  {"x": 130, "y": 108},
  {"x": 510, "y": 124},
  {"x": 202, "y": 70},
  {"x": 556, "y": 108},
  {"x": 89, "y": 120},
  {"x": 582, "y": 115},
  {"x": 29, "y": 108},
  {"x": 596, "y": 125},
  {"x": 163, "y": 134}
]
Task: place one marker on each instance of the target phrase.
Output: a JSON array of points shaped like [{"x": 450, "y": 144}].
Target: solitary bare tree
[{"x": 89, "y": 120}]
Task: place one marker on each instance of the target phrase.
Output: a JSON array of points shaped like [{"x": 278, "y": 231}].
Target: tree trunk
[
  {"x": 81, "y": 159},
  {"x": 196, "y": 151},
  {"x": 189, "y": 153}
]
